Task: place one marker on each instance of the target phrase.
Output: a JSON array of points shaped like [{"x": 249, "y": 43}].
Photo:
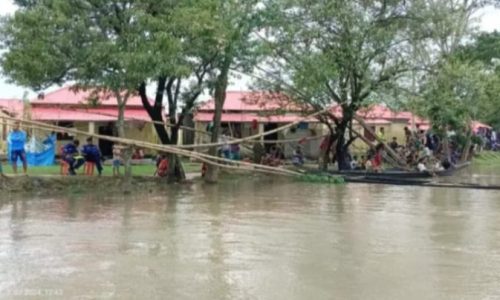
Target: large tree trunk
[
  {"x": 467, "y": 146},
  {"x": 176, "y": 170},
  {"x": 120, "y": 127},
  {"x": 341, "y": 148},
  {"x": 220, "y": 97}
]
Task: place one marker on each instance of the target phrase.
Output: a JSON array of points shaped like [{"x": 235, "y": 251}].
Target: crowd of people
[
  {"x": 421, "y": 150},
  {"x": 72, "y": 155}
]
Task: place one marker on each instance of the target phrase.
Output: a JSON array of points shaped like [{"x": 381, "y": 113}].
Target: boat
[{"x": 397, "y": 173}]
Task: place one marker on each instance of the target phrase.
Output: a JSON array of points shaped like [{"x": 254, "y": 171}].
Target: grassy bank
[
  {"x": 488, "y": 158},
  {"x": 137, "y": 170}
]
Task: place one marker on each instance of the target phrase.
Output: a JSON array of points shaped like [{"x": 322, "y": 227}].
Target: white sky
[{"x": 489, "y": 20}]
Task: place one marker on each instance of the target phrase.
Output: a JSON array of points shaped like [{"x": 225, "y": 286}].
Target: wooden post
[
  {"x": 92, "y": 127},
  {"x": 261, "y": 131}
]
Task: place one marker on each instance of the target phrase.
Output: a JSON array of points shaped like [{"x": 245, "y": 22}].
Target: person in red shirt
[{"x": 378, "y": 158}]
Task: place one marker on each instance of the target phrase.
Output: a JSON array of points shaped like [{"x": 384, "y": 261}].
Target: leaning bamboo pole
[
  {"x": 213, "y": 160},
  {"x": 389, "y": 150}
]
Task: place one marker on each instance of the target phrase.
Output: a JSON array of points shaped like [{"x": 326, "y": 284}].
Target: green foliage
[
  {"x": 485, "y": 49},
  {"x": 452, "y": 96},
  {"x": 115, "y": 45}
]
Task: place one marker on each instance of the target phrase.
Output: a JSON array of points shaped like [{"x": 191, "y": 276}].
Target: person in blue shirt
[
  {"x": 72, "y": 156},
  {"x": 17, "y": 140},
  {"x": 92, "y": 154}
]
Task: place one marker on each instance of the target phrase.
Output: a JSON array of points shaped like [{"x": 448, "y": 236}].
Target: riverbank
[
  {"x": 137, "y": 170},
  {"x": 54, "y": 184},
  {"x": 109, "y": 185}
]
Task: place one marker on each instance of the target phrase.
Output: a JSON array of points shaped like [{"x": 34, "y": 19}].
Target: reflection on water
[{"x": 254, "y": 240}]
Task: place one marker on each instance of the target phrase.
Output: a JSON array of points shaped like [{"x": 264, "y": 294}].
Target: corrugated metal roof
[
  {"x": 94, "y": 115},
  {"x": 67, "y": 96}
]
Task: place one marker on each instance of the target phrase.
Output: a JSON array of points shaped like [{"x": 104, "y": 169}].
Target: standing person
[
  {"x": 72, "y": 156},
  {"x": 408, "y": 136},
  {"x": 381, "y": 134},
  {"x": 226, "y": 148},
  {"x": 377, "y": 158},
  {"x": 16, "y": 141},
  {"x": 117, "y": 159},
  {"x": 494, "y": 140},
  {"x": 92, "y": 154}
]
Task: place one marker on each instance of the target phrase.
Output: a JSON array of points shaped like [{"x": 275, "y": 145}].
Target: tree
[
  {"x": 345, "y": 53},
  {"x": 117, "y": 46},
  {"x": 234, "y": 48},
  {"x": 485, "y": 49}
]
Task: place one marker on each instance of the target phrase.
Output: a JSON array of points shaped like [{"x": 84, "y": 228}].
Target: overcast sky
[{"x": 489, "y": 21}]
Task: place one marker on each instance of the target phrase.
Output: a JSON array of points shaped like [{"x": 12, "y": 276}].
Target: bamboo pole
[
  {"x": 387, "y": 148},
  {"x": 165, "y": 148},
  {"x": 370, "y": 144}
]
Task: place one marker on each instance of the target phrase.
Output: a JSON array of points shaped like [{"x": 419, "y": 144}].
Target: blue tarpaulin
[{"x": 40, "y": 154}]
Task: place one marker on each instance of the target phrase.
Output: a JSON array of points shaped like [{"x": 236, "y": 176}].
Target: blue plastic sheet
[{"x": 42, "y": 155}]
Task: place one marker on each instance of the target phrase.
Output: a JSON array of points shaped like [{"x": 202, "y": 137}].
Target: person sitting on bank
[
  {"x": 92, "y": 155},
  {"x": 71, "y": 155},
  {"x": 354, "y": 163},
  {"x": 362, "y": 163},
  {"x": 272, "y": 158},
  {"x": 16, "y": 141},
  {"x": 162, "y": 165},
  {"x": 421, "y": 167},
  {"x": 138, "y": 154},
  {"x": 394, "y": 144},
  {"x": 298, "y": 157},
  {"x": 235, "y": 151}
]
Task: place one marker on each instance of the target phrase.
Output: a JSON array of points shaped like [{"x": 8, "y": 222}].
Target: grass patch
[
  {"x": 488, "y": 158},
  {"x": 138, "y": 170}
]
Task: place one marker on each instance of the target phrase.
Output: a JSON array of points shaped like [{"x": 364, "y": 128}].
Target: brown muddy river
[{"x": 251, "y": 239}]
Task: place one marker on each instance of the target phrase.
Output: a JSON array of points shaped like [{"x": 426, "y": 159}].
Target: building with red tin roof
[
  {"x": 247, "y": 113},
  {"x": 93, "y": 113},
  {"x": 250, "y": 113}
]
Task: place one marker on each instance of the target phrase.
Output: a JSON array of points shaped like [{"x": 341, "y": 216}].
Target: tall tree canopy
[
  {"x": 327, "y": 53},
  {"x": 119, "y": 46}
]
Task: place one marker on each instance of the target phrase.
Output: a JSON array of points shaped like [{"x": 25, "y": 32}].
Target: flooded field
[{"x": 254, "y": 239}]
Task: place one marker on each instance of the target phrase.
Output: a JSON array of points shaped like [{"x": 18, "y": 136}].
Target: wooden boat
[
  {"x": 397, "y": 173},
  {"x": 422, "y": 183}
]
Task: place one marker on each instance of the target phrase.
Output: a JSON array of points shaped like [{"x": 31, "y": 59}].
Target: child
[
  {"x": 117, "y": 159},
  {"x": 162, "y": 166},
  {"x": 298, "y": 157}
]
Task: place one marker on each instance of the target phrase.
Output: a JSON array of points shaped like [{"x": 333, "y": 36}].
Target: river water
[{"x": 255, "y": 239}]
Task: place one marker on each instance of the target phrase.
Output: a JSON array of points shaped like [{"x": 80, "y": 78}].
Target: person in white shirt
[{"x": 421, "y": 165}]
